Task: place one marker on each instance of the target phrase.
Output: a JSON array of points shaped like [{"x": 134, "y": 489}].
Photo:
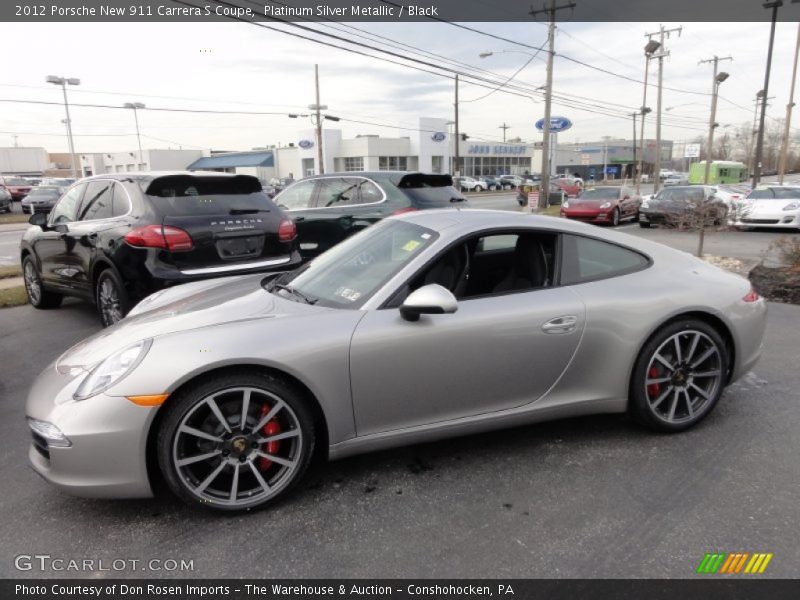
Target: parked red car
[
  {"x": 570, "y": 187},
  {"x": 607, "y": 204},
  {"x": 16, "y": 186}
]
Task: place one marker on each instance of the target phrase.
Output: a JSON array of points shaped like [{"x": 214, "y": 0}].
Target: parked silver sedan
[{"x": 426, "y": 325}]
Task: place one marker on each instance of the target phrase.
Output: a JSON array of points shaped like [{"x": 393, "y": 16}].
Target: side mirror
[
  {"x": 38, "y": 219},
  {"x": 431, "y": 299}
]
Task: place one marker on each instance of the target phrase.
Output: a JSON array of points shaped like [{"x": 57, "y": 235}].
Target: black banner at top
[{"x": 396, "y": 10}]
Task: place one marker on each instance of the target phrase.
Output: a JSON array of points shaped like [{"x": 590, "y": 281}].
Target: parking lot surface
[{"x": 589, "y": 497}]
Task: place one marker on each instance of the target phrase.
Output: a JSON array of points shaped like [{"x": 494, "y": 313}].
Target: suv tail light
[
  {"x": 404, "y": 210},
  {"x": 156, "y": 236},
  {"x": 287, "y": 230},
  {"x": 751, "y": 296}
]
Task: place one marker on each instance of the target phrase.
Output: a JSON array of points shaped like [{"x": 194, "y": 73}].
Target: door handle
[
  {"x": 565, "y": 324},
  {"x": 298, "y": 219}
]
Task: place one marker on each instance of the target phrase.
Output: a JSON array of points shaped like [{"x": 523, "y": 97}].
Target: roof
[{"x": 234, "y": 159}]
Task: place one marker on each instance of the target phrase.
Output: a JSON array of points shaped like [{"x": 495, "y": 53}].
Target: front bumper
[
  {"x": 778, "y": 218},
  {"x": 107, "y": 457},
  {"x": 589, "y": 216}
]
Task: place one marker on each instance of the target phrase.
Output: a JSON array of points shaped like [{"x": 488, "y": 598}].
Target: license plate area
[{"x": 234, "y": 248}]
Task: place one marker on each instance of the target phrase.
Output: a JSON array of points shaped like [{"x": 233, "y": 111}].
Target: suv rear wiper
[
  {"x": 294, "y": 292},
  {"x": 246, "y": 211}
]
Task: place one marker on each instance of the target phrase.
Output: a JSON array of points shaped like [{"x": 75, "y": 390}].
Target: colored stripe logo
[{"x": 734, "y": 563}]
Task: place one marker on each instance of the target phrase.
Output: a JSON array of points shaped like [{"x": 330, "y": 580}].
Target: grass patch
[
  {"x": 14, "y": 296},
  {"x": 14, "y": 218},
  {"x": 10, "y": 271}
]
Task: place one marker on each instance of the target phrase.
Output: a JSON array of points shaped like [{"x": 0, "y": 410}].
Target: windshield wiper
[
  {"x": 297, "y": 293},
  {"x": 247, "y": 211}
]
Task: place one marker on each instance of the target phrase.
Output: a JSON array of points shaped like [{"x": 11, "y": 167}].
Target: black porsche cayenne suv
[{"x": 114, "y": 239}]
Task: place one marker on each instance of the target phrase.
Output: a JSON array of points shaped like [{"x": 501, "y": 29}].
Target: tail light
[
  {"x": 404, "y": 210},
  {"x": 287, "y": 230},
  {"x": 156, "y": 236},
  {"x": 751, "y": 296}
]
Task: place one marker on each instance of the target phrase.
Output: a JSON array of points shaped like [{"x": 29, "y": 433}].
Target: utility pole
[
  {"x": 457, "y": 141},
  {"x": 16, "y": 144},
  {"x": 717, "y": 79},
  {"x": 663, "y": 53},
  {"x": 787, "y": 125},
  {"x": 649, "y": 50},
  {"x": 633, "y": 166},
  {"x": 504, "y": 127},
  {"x": 317, "y": 107},
  {"x": 774, "y": 5},
  {"x": 550, "y": 11}
]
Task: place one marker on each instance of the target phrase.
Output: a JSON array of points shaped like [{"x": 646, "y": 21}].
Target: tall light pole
[
  {"x": 136, "y": 106},
  {"x": 456, "y": 170},
  {"x": 63, "y": 81},
  {"x": 633, "y": 166},
  {"x": 717, "y": 79},
  {"x": 649, "y": 50},
  {"x": 787, "y": 125},
  {"x": 774, "y": 5},
  {"x": 317, "y": 107}
]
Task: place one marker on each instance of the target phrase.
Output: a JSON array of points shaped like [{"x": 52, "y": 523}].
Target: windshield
[
  {"x": 16, "y": 181},
  {"x": 348, "y": 274},
  {"x": 45, "y": 191},
  {"x": 685, "y": 194},
  {"x": 600, "y": 194},
  {"x": 775, "y": 193}
]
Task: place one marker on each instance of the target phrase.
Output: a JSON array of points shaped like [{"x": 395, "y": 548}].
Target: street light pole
[
  {"x": 717, "y": 79},
  {"x": 649, "y": 50},
  {"x": 774, "y": 5},
  {"x": 136, "y": 106},
  {"x": 317, "y": 107},
  {"x": 63, "y": 81},
  {"x": 633, "y": 174},
  {"x": 457, "y": 141},
  {"x": 787, "y": 125}
]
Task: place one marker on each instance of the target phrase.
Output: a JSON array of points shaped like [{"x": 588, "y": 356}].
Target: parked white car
[
  {"x": 770, "y": 206},
  {"x": 470, "y": 184}
]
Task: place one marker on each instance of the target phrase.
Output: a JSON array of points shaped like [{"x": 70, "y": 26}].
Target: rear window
[
  {"x": 186, "y": 195},
  {"x": 16, "y": 181},
  {"x": 430, "y": 191},
  {"x": 775, "y": 193}
]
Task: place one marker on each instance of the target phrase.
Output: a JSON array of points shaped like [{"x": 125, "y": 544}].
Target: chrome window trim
[
  {"x": 238, "y": 267},
  {"x": 318, "y": 177}
]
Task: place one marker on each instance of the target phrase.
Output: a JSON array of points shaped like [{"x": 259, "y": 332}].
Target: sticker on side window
[{"x": 348, "y": 294}]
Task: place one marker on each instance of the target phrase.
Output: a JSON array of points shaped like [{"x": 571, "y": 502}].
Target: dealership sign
[
  {"x": 556, "y": 124},
  {"x": 692, "y": 151},
  {"x": 485, "y": 149},
  {"x": 438, "y": 136},
  {"x": 305, "y": 144}
]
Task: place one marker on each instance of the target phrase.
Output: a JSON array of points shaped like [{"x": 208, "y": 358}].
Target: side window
[
  {"x": 297, "y": 196},
  {"x": 121, "y": 204},
  {"x": 67, "y": 208},
  {"x": 97, "y": 200},
  {"x": 586, "y": 259},
  {"x": 369, "y": 193},
  {"x": 336, "y": 191}
]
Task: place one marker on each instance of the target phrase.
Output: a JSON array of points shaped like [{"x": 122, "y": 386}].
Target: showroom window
[
  {"x": 586, "y": 259},
  {"x": 354, "y": 163},
  {"x": 393, "y": 163},
  {"x": 437, "y": 162}
]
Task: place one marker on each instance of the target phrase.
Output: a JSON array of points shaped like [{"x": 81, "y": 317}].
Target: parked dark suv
[
  {"x": 114, "y": 239},
  {"x": 330, "y": 208}
]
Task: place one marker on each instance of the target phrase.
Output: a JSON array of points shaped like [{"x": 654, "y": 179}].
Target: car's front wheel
[
  {"x": 37, "y": 295},
  {"x": 478, "y": 188},
  {"x": 679, "y": 376},
  {"x": 236, "y": 441},
  {"x": 615, "y": 217},
  {"x": 111, "y": 297}
]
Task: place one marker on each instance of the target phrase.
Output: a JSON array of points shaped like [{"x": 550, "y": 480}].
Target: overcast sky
[{"x": 238, "y": 66}]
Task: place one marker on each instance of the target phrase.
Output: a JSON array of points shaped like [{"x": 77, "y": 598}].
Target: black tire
[
  {"x": 644, "y": 225},
  {"x": 478, "y": 188},
  {"x": 193, "y": 397},
  {"x": 670, "y": 391},
  {"x": 636, "y": 216},
  {"x": 111, "y": 298},
  {"x": 38, "y": 296},
  {"x": 615, "y": 218}
]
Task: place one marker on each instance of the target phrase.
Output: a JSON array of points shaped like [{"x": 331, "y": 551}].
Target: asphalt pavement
[{"x": 588, "y": 497}]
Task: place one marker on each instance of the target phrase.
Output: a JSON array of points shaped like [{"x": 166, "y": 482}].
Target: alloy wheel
[
  {"x": 110, "y": 302},
  {"x": 615, "y": 217},
  {"x": 237, "y": 447},
  {"x": 683, "y": 377},
  {"x": 32, "y": 284}
]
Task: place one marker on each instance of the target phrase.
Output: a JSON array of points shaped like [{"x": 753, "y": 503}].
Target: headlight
[
  {"x": 645, "y": 205},
  {"x": 792, "y": 206},
  {"x": 605, "y": 205},
  {"x": 112, "y": 370},
  {"x": 565, "y": 204}
]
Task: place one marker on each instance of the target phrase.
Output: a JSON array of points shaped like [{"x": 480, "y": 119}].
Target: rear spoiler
[
  {"x": 205, "y": 184},
  {"x": 418, "y": 180}
]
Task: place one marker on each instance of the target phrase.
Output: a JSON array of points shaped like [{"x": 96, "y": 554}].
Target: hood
[
  {"x": 589, "y": 203},
  {"x": 209, "y": 303},
  {"x": 767, "y": 205}
]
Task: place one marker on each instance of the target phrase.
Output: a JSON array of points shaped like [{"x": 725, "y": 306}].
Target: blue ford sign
[
  {"x": 556, "y": 124},
  {"x": 305, "y": 144},
  {"x": 438, "y": 136}
]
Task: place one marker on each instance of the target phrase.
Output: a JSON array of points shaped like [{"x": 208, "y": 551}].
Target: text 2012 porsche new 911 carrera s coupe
[{"x": 425, "y": 325}]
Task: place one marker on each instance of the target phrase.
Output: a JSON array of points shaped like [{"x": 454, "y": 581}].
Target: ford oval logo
[
  {"x": 556, "y": 124},
  {"x": 305, "y": 144},
  {"x": 438, "y": 136}
]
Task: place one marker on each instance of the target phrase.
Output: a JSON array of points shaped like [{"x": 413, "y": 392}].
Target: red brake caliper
[
  {"x": 272, "y": 427},
  {"x": 653, "y": 389}
]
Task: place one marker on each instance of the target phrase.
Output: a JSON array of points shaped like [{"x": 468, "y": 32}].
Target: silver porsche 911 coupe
[{"x": 427, "y": 325}]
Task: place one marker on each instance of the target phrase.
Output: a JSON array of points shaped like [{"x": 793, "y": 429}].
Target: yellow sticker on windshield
[{"x": 411, "y": 245}]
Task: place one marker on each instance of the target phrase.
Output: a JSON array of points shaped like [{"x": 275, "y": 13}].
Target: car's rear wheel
[
  {"x": 615, "y": 217},
  {"x": 111, "y": 298},
  {"x": 37, "y": 295},
  {"x": 235, "y": 442},
  {"x": 679, "y": 376},
  {"x": 643, "y": 224}
]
